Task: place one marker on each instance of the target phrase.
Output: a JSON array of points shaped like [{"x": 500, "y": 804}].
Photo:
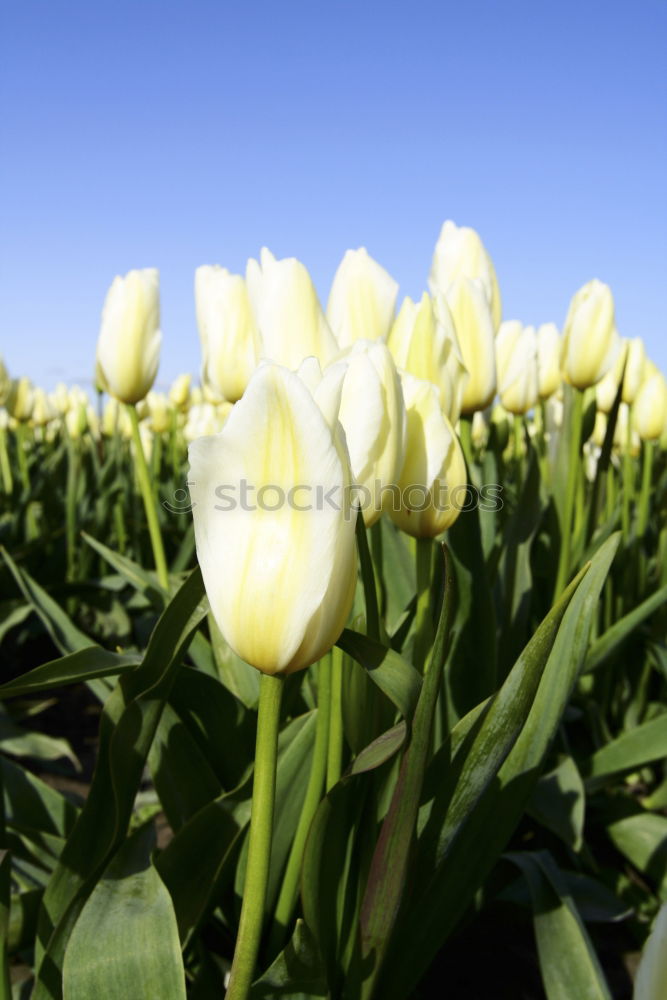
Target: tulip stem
[
  {"x": 70, "y": 505},
  {"x": 150, "y": 501},
  {"x": 318, "y": 769},
  {"x": 645, "y": 494},
  {"x": 259, "y": 840},
  {"x": 628, "y": 480},
  {"x": 5, "y": 467},
  {"x": 21, "y": 456},
  {"x": 423, "y": 625},
  {"x": 335, "y": 748},
  {"x": 573, "y": 471},
  {"x": 368, "y": 580}
]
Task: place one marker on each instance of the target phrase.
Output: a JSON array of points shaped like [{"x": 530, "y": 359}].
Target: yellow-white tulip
[
  {"x": 20, "y": 398},
  {"x": 179, "y": 392},
  {"x": 206, "y": 418},
  {"x": 607, "y": 387},
  {"x": 590, "y": 340},
  {"x": 650, "y": 408},
  {"x": 651, "y": 977},
  {"x": 423, "y": 342},
  {"x": 548, "y": 360},
  {"x": 159, "y": 412},
  {"x": 431, "y": 489},
  {"x": 372, "y": 413},
  {"x": 128, "y": 348},
  {"x": 227, "y": 331},
  {"x": 43, "y": 409},
  {"x": 460, "y": 253},
  {"x": 626, "y": 438},
  {"x": 635, "y": 366},
  {"x": 274, "y": 525},
  {"x": 469, "y": 306},
  {"x": 288, "y": 313},
  {"x": 5, "y": 383},
  {"x": 362, "y": 299},
  {"x": 516, "y": 357}
]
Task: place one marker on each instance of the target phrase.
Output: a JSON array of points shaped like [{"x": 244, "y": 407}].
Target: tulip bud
[
  {"x": 599, "y": 429},
  {"x": 432, "y": 485},
  {"x": 206, "y": 418},
  {"x": 607, "y": 387},
  {"x": 635, "y": 364},
  {"x": 128, "y": 348},
  {"x": 20, "y": 398},
  {"x": 460, "y": 253},
  {"x": 474, "y": 327},
  {"x": 516, "y": 356},
  {"x": 548, "y": 360},
  {"x": 372, "y": 413},
  {"x": 42, "y": 408},
  {"x": 287, "y": 312},
  {"x": 650, "y": 409},
  {"x": 362, "y": 299},
  {"x": 590, "y": 340},
  {"x": 227, "y": 331},
  {"x": 159, "y": 413},
  {"x": 274, "y": 525},
  {"x": 423, "y": 342},
  {"x": 179, "y": 393}
]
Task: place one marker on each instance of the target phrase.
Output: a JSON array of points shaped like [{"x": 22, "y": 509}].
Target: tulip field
[{"x": 339, "y": 668}]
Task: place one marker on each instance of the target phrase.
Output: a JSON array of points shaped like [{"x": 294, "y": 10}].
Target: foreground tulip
[
  {"x": 227, "y": 331},
  {"x": 590, "y": 340},
  {"x": 548, "y": 360},
  {"x": 128, "y": 348},
  {"x": 431, "y": 489},
  {"x": 362, "y": 299},
  {"x": 287, "y": 311},
  {"x": 273, "y": 525},
  {"x": 650, "y": 408},
  {"x": 516, "y": 353},
  {"x": 423, "y": 342},
  {"x": 468, "y": 303},
  {"x": 372, "y": 413},
  {"x": 460, "y": 253}
]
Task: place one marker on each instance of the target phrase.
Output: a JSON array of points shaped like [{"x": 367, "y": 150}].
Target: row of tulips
[{"x": 481, "y": 730}]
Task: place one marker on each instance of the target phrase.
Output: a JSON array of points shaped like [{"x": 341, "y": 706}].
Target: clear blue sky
[{"x": 173, "y": 134}]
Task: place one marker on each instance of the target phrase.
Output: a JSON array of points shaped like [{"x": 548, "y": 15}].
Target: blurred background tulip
[
  {"x": 128, "y": 348},
  {"x": 548, "y": 360},
  {"x": 516, "y": 355}
]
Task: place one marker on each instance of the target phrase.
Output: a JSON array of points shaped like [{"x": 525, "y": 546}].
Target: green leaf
[
  {"x": 389, "y": 866},
  {"x": 397, "y": 678},
  {"x": 237, "y": 675},
  {"x": 559, "y": 801},
  {"x": 501, "y": 766},
  {"x": 73, "y": 668},
  {"x": 125, "y": 941},
  {"x": 380, "y": 750},
  {"x": 141, "y": 579},
  {"x": 127, "y": 728},
  {"x": 568, "y": 962},
  {"x": 642, "y": 838},
  {"x": 631, "y": 750},
  {"x": 297, "y": 969},
  {"x": 609, "y": 641}
]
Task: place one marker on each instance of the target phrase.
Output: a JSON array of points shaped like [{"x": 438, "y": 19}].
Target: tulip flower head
[
  {"x": 287, "y": 312},
  {"x": 372, "y": 413},
  {"x": 128, "y": 348},
  {"x": 548, "y": 360},
  {"x": 423, "y": 342},
  {"x": 635, "y": 367},
  {"x": 650, "y": 408},
  {"x": 362, "y": 299},
  {"x": 469, "y": 306},
  {"x": 460, "y": 253},
  {"x": 274, "y": 525},
  {"x": 433, "y": 480},
  {"x": 516, "y": 354},
  {"x": 227, "y": 331},
  {"x": 590, "y": 340}
]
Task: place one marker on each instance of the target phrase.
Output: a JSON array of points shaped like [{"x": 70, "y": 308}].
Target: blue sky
[{"x": 173, "y": 134}]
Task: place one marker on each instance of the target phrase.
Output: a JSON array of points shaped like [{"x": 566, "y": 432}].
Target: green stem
[
  {"x": 517, "y": 443},
  {"x": 22, "y": 459},
  {"x": 259, "y": 841},
  {"x": 335, "y": 747},
  {"x": 5, "y": 467},
  {"x": 318, "y": 769},
  {"x": 368, "y": 580},
  {"x": 645, "y": 494},
  {"x": 71, "y": 505},
  {"x": 573, "y": 473},
  {"x": 150, "y": 501},
  {"x": 628, "y": 479},
  {"x": 465, "y": 437},
  {"x": 423, "y": 625}
]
